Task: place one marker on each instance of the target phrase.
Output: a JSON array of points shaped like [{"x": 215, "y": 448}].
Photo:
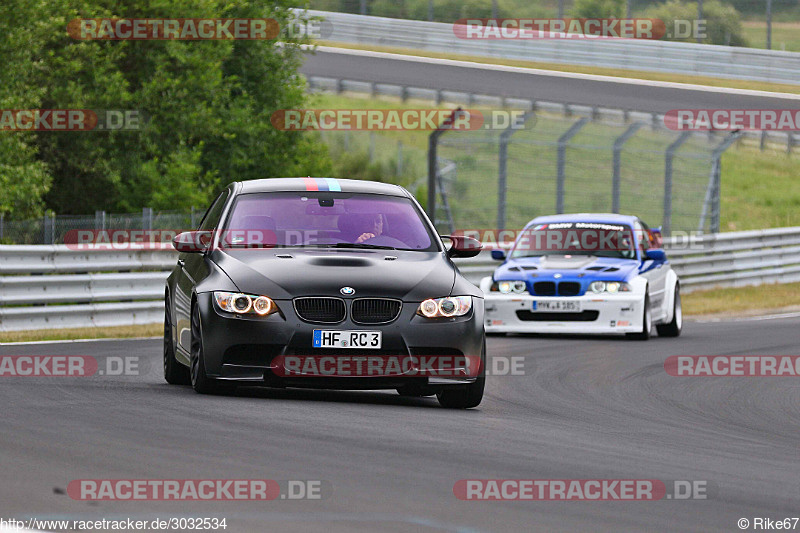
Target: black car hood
[{"x": 288, "y": 273}]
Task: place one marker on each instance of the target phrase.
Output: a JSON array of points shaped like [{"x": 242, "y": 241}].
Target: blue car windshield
[
  {"x": 326, "y": 219},
  {"x": 576, "y": 238}
]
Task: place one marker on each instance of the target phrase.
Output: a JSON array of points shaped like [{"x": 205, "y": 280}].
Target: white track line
[
  {"x": 555, "y": 73},
  {"x": 746, "y": 318},
  {"x": 78, "y": 340}
]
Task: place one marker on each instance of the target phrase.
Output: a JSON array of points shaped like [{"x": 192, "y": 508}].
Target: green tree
[
  {"x": 24, "y": 179},
  {"x": 206, "y": 106}
]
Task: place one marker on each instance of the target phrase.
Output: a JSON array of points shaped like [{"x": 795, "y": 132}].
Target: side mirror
[
  {"x": 499, "y": 255},
  {"x": 192, "y": 241},
  {"x": 656, "y": 255},
  {"x": 463, "y": 246}
]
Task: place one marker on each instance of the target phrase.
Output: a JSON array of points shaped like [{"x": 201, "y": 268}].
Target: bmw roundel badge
[{"x": 347, "y": 291}]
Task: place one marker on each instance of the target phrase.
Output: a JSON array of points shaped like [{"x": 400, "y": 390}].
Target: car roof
[
  {"x": 320, "y": 184},
  {"x": 595, "y": 218}
]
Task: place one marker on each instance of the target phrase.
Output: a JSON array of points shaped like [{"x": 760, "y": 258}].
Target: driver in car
[{"x": 373, "y": 228}]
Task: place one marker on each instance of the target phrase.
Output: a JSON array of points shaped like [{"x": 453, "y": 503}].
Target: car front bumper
[
  {"x": 600, "y": 314},
  {"x": 245, "y": 349}
]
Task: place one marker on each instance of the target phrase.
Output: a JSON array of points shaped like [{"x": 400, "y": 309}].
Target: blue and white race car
[{"x": 584, "y": 274}]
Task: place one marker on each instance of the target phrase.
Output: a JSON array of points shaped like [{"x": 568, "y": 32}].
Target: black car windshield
[
  {"x": 576, "y": 238},
  {"x": 326, "y": 219}
]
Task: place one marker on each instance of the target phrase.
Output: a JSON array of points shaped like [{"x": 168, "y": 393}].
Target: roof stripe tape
[{"x": 333, "y": 184}]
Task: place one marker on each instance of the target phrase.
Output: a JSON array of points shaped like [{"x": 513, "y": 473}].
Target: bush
[
  {"x": 356, "y": 166},
  {"x": 723, "y": 22},
  {"x": 598, "y": 9},
  {"x": 443, "y": 10}
]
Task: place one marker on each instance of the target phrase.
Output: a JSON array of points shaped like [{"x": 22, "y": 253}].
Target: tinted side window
[{"x": 211, "y": 218}]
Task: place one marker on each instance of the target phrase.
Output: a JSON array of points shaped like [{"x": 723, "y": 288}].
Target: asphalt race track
[
  {"x": 584, "y": 409},
  {"x": 541, "y": 85}
]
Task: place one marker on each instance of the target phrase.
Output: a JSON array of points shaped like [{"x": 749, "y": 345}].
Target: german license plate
[
  {"x": 328, "y": 338},
  {"x": 557, "y": 306}
]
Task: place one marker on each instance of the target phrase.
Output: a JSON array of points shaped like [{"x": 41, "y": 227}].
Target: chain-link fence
[
  {"x": 555, "y": 164},
  {"x": 503, "y": 178},
  {"x": 53, "y": 229}
]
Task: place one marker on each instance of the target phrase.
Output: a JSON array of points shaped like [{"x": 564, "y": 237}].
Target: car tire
[
  {"x": 673, "y": 328},
  {"x": 647, "y": 322},
  {"x": 201, "y": 383},
  {"x": 467, "y": 396},
  {"x": 174, "y": 372}
]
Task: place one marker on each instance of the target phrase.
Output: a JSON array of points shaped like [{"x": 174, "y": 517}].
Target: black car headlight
[
  {"x": 508, "y": 287},
  {"x": 245, "y": 304},
  {"x": 611, "y": 287},
  {"x": 445, "y": 307}
]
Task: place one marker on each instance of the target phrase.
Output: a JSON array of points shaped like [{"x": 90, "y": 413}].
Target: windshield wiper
[{"x": 360, "y": 245}]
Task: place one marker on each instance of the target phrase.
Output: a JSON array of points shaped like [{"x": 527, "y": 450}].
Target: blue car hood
[{"x": 558, "y": 268}]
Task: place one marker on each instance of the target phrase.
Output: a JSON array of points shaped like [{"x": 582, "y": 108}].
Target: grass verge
[
  {"x": 742, "y": 300},
  {"x": 581, "y": 69},
  {"x": 120, "y": 332},
  {"x": 785, "y": 35}
]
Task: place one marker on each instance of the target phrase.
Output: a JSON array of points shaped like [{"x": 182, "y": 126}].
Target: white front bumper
[{"x": 619, "y": 313}]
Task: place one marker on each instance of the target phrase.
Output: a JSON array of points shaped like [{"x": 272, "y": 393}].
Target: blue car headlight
[
  {"x": 507, "y": 287},
  {"x": 611, "y": 287}
]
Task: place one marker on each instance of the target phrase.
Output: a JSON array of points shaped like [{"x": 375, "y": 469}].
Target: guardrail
[
  {"x": 54, "y": 286},
  {"x": 634, "y": 54},
  {"x": 739, "y": 258},
  {"x": 43, "y": 287}
]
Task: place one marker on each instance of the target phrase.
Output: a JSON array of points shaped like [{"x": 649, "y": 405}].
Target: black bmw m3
[{"x": 323, "y": 283}]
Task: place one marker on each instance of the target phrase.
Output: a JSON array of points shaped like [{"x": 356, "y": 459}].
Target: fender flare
[
  {"x": 669, "y": 296},
  {"x": 639, "y": 285}
]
